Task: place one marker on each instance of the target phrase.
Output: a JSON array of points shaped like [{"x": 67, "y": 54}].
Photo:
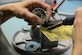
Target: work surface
[{"x": 12, "y": 25}]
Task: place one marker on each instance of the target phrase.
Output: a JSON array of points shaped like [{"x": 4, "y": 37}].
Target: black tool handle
[{"x": 69, "y": 20}]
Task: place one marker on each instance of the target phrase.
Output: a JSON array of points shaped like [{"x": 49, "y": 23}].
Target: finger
[
  {"x": 29, "y": 23},
  {"x": 32, "y": 18},
  {"x": 33, "y": 27},
  {"x": 48, "y": 14},
  {"x": 48, "y": 10}
]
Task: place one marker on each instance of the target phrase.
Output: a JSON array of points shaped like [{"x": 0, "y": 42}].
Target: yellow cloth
[{"x": 59, "y": 33}]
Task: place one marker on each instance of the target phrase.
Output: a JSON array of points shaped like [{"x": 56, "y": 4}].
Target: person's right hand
[
  {"x": 23, "y": 10},
  {"x": 77, "y": 30},
  {"x": 77, "y": 33}
]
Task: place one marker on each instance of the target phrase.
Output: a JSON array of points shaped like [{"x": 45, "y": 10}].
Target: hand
[
  {"x": 22, "y": 10},
  {"x": 77, "y": 30},
  {"x": 77, "y": 33}
]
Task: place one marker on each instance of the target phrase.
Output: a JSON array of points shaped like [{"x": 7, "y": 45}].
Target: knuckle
[
  {"x": 49, "y": 6},
  {"x": 23, "y": 14},
  {"x": 33, "y": 16},
  {"x": 78, "y": 22},
  {"x": 79, "y": 10}
]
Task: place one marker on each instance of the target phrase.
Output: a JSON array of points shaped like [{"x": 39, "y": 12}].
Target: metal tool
[
  {"x": 42, "y": 14},
  {"x": 67, "y": 21},
  {"x": 58, "y": 5},
  {"x": 57, "y": 19}
]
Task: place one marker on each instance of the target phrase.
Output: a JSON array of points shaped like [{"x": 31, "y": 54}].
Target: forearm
[
  {"x": 77, "y": 33},
  {"x": 5, "y": 14},
  {"x": 77, "y": 38},
  {"x": 5, "y": 17},
  {"x": 77, "y": 49}
]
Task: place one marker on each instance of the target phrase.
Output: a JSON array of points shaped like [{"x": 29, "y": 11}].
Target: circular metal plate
[{"x": 22, "y": 36}]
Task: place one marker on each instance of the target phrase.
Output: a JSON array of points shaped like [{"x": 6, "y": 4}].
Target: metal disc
[{"x": 22, "y": 37}]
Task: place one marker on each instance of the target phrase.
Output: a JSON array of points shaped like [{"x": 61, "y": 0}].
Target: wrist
[
  {"x": 77, "y": 49},
  {"x": 6, "y": 9},
  {"x": 5, "y": 13}
]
